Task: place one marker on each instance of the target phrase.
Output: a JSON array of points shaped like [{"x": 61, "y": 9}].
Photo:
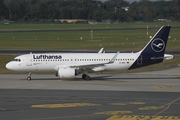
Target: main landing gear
[
  {"x": 86, "y": 77},
  {"x": 29, "y": 77}
]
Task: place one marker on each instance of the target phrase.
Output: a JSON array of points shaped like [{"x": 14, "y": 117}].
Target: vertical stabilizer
[
  {"x": 157, "y": 44},
  {"x": 153, "y": 52}
]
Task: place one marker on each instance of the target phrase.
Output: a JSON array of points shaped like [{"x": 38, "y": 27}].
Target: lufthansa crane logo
[{"x": 157, "y": 45}]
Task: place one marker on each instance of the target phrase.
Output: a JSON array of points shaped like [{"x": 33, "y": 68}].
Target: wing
[{"x": 89, "y": 66}]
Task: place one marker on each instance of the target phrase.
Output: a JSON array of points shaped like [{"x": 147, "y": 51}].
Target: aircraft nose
[{"x": 9, "y": 66}]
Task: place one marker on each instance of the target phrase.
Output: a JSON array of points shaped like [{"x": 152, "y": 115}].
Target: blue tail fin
[
  {"x": 156, "y": 46},
  {"x": 153, "y": 52}
]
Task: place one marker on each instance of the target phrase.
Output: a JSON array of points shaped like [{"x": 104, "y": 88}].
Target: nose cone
[{"x": 10, "y": 66}]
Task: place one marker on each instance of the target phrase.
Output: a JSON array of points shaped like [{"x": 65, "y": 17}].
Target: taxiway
[{"x": 150, "y": 95}]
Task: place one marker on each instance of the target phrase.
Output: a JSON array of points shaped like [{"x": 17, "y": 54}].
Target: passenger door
[{"x": 29, "y": 60}]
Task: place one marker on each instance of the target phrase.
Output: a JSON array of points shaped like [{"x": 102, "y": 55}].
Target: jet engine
[{"x": 66, "y": 72}]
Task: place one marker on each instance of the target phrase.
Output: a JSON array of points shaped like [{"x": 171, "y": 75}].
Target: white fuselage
[{"x": 50, "y": 61}]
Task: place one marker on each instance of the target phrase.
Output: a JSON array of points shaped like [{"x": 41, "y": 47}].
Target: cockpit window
[{"x": 17, "y": 60}]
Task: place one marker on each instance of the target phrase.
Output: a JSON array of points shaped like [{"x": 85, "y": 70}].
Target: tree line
[{"x": 113, "y": 10}]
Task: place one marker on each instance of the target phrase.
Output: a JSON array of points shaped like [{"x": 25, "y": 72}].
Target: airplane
[{"x": 68, "y": 65}]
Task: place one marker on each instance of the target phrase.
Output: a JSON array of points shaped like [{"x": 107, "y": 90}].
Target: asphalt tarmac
[{"x": 153, "y": 95}]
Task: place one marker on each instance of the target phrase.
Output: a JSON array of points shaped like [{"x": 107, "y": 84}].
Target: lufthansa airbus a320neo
[{"x": 68, "y": 65}]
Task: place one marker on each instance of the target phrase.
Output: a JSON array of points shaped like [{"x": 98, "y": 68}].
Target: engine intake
[{"x": 66, "y": 72}]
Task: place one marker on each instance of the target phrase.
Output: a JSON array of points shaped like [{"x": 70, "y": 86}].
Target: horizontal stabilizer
[
  {"x": 166, "y": 57},
  {"x": 157, "y": 58}
]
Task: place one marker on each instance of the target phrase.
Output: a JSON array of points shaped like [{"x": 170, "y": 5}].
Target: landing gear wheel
[
  {"x": 83, "y": 76},
  {"x": 28, "y": 78},
  {"x": 86, "y": 77}
]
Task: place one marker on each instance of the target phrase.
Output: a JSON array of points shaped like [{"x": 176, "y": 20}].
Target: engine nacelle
[{"x": 66, "y": 72}]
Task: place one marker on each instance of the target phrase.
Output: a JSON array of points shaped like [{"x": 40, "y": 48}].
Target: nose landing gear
[{"x": 29, "y": 76}]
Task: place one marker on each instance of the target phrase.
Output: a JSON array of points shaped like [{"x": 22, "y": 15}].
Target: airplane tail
[
  {"x": 153, "y": 52},
  {"x": 156, "y": 46}
]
